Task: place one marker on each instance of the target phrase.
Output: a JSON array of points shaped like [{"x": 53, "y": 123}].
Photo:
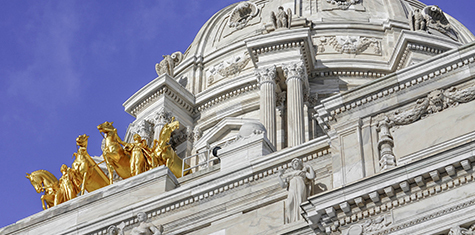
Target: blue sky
[{"x": 67, "y": 66}]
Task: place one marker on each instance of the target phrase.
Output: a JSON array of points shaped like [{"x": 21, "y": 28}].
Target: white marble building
[{"x": 376, "y": 96}]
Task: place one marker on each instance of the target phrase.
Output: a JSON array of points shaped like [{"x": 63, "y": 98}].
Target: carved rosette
[{"x": 385, "y": 144}]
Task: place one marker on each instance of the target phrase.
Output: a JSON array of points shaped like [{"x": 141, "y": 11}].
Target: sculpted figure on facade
[
  {"x": 168, "y": 64},
  {"x": 90, "y": 174},
  {"x": 281, "y": 19},
  {"x": 435, "y": 19},
  {"x": 417, "y": 20},
  {"x": 298, "y": 183},
  {"x": 242, "y": 13},
  {"x": 146, "y": 228},
  {"x": 113, "y": 153}
]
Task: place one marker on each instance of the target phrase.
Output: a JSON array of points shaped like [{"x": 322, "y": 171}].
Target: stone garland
[
  {"x": 226, "y": 96},
  {"x": 397, "y": 88},
  {"x": 210, "y": 193},
  {"x": 436, "y": 101},
  {"x": 333, "y": 225},
  {"x": 161, "y": 91},
  {"x": 415, "y": 47}
]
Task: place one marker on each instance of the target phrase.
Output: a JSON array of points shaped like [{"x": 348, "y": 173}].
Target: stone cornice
[
  {"x": 398, "y": 187},
  {"x": 162, "y": 85},
  {"x": 282, "y": 40}
]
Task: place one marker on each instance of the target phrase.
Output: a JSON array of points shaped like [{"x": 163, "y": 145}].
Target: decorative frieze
[
  {"x": 227, "y": 68},
  {"x": 348, "y": 45}
]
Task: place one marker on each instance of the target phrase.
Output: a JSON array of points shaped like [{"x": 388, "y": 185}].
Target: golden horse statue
[
  {"x": 113, "y": 153},
  {"x": 164, "y": 154},
  {"x": 89, "y": 173},
  {"x": 44, "y": 181},
  {"x": 56, "y": 191}
]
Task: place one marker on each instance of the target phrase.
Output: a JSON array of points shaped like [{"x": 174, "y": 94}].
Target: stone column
[
  {"x": 294, "y": 74},
  {"x": 266, "y": 79},
  {"x": 159, "y": 119},
  {"x": 281, "y": 121},
  {"x": 385, "y": 144}
]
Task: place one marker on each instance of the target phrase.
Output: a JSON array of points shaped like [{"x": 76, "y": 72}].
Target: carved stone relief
[
  {"x": 281, "y": 19},
  {"x": 241, "y": 14},
  {"x": 168, "y": 64},
  {"x": 457, "y": 230},
  {"x": 370, "y": 225},
  {"x": 431, "y": 18},
  {"x": 348, "y": 45},
  {"x": 227, "y": 68},
  {"x": 329, "y": 5},
  {"x": 435, "y": 101}
]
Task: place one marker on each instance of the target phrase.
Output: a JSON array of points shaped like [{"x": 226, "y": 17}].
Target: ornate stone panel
[{"x": 348, "y": 45}]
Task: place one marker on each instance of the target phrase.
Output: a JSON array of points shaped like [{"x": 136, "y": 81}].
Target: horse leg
[
  {"x": 83, "y": 185},
  {"x": 43, "y": 202}
]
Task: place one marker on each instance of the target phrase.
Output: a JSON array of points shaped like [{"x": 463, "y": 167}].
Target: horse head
[
  {"x": 81, "y": 141},
  {"x": 105, "y": 127},
  {"x": 36, "y": 181}
]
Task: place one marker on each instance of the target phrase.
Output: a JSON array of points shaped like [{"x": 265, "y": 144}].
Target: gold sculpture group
[{"x": 127, "y": 159}]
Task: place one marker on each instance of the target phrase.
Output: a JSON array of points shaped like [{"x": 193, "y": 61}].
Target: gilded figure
[
  {"x": 113, "y": 153},
  {"x": 163, "y": 152},
  {"x": 89, "y": 173},
  {"x": 140, "y": 157},
  {"x": 44, "y": 181},
  {"x": 68, "y": 183}
]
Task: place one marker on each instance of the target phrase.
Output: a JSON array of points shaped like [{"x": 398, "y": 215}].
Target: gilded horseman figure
[{"x": 113, "y": 153}]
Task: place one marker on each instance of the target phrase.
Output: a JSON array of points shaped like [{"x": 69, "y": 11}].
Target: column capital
[
  {"x": 160, "y": 117},
  {"x": 294, "y": 70},
  {"x": 266, "y": 75}
]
